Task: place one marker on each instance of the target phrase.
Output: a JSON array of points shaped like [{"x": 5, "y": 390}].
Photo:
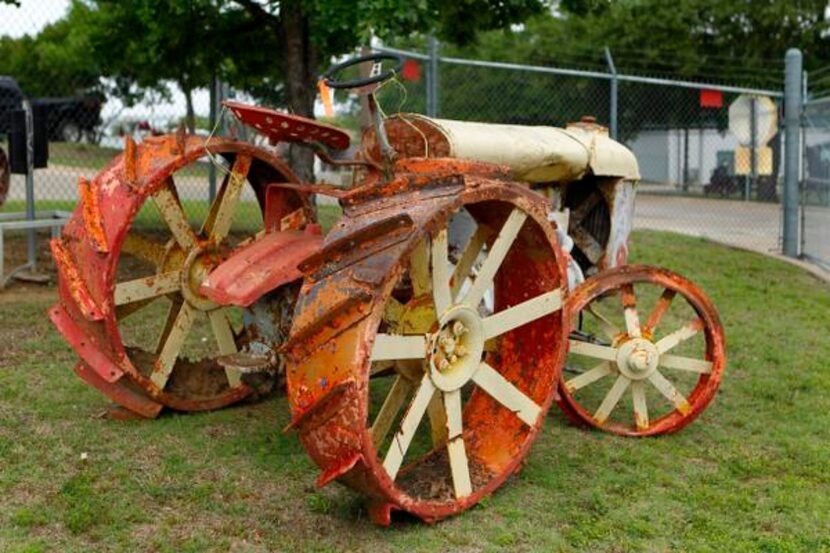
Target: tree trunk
[
  {"x": 190, "y": 119},
  {"x": 299, "y": 62}
]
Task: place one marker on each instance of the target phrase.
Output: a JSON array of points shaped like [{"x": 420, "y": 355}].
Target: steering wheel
[{"x": 372, "y": 79}]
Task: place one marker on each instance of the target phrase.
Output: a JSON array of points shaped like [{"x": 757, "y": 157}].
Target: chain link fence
[
  {"x": 815, "y": 182},
  {"x": 699, "y": 178}
]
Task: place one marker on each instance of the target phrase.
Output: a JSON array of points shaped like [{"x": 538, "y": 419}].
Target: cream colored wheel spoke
[
  {"x": 218, "y": 226},
  {"x": 140, "y": 289},
  {"x": 521, "y": 314},
  {"x": 500, "y": 389},
  {"x": 589, "y": 377},
  {"x": 468, "y": 259},
  {"x": 588, "y": 349},
  {"x": 395, "y": 399},
  {"x": 438, "y": 420},
  {"x": 685, "y": 363},
  {"x": 172, "y": 345},
  {"x": 419, "y": 269},
  {"x": 608, "y": 328},
  {"x": 222, "y": 331},
  {"x": 143, "y": 248},
  {"x": 393, "y": 347},
  {"x": 670, "y": 392},
  {"x": 409, "y": 424},
  {"x": 660, "y": 309},
  {"x": 459, "y": 465},
  {"x": 171, "y": 211},
  {"x": 440, "y": 272},
  {"x": 611, "y": 399},
  {"x": 498, "y": 252},
  {"x": 638, "y": 395},
  {"x": 632, "y": 319},
  {"x": 680, "y": 335}
]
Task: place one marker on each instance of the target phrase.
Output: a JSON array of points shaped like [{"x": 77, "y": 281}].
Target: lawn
[{"x": 752, "y": 474}]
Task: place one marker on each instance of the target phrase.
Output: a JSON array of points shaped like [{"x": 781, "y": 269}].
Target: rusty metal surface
[
  {"x": 284, "y": 127},
  {"x": 253, "y": 270},
  {"x": 620, "y": 280},
  {"x": 339, "y": 310},
  {"x": 87, "y": 264}
]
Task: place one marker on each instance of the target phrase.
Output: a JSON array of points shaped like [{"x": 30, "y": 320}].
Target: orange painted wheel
[
  {"x": 639, "y": 375},
  {"x": 423, "y": 361},
  {"x": 131, "y": 261}
]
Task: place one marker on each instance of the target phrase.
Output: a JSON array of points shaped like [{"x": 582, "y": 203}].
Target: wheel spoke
[
  {"x": 171, "y": 211},
  {"x": 459, "y": 465},
  {"x": 401, "y": 388},
  {"x": 419, "y": 269},
  {"x": 222, "y": 331},
  {"x": 438, "y": 420},
  {"x": 611, "y": 399},
  {"x": 218, "y": 226},
  {"x": 638, "y": 395},
  {"x": 588, "y": 349},
  {"x": 610, "y": 329},
  {"x": 660, "y": 309},
  {"x": 680, "y": 335},
  {"x": 589, "y": 377},
  {"x": 393, "y": 346},
  {"x": 172, "y": 345},
  {"x": 685, "y": 363},
  {"x": 494, "y": 259},
  {"x": 409, "y": 424},
  {"x": 440, "y": 272},
  {"x": 632, "y": 319},
  {"x": 468, "y": 259},
  {"x": 670, "y": 392},
  {"x": 143, "y": 248},
  {"x": 586, "y": 243},
  {"x": 521, "y": 314},
  {"x": 150, "y": 287},
  {"x": 500, "y": 389}
]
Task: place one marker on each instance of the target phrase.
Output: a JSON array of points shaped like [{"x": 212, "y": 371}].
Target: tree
[{"x": 311, "y": 31}]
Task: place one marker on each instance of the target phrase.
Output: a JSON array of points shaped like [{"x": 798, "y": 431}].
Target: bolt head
[{"x": 458, "y": 328}]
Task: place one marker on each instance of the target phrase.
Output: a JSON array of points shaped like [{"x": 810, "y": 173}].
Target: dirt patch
[
  {"x": 430, "y": 480},
  {"x": 189, "y": 379}
]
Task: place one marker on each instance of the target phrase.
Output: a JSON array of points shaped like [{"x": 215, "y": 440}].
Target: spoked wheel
[
  {"x": 458, "y": 390},
  {"x": 641, "y": 376},
  {"x": 132, "y": 261}
]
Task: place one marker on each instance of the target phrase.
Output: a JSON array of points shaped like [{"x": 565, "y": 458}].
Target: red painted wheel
[
  {"x": 403, "y": 383},
  {"x": 131, "y": 261},
  {"x": 641, "y": 377},
  {"x": 5, "y": 176}
]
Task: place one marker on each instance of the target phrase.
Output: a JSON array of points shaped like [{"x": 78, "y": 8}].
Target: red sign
[
  {"x": 711, "y": 98},
  {"x": 411, "y": 70}
]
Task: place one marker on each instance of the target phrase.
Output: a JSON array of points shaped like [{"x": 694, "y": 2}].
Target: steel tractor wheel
[
  {"x": 5, "y": 176},
  {"x": 131, "y": 261},
  {"x": 403, "y": 383},
  {"x": 634, "y": 375}
]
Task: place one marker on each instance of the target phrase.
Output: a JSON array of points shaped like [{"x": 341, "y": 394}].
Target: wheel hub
[
  {"x": 638, "y": 358},
  {"x": 455, "y": 349},
  {"x": 195, "y": 270}
]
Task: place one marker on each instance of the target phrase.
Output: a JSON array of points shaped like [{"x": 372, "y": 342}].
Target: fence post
[
  {"x": 792, "y": 118},
  {"x": 432, "y": 78},
  {"x": 214, "y": 112},
  {"x": 612, "y": 110}
]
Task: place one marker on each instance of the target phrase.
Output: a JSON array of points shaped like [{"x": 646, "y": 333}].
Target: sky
[{"x": 31, "y": 16}]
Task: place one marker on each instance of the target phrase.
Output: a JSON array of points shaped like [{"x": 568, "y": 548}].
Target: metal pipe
[
  {"x": 792, "y": 117},
  {"x": 612, "y": 109},
  {"x": 432, "y": 78},
  {"x": 30, "y": 185},
  {"x": 214, "y": 110}
]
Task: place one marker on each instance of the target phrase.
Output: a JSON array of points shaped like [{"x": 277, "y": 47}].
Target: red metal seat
[{"x": 284, "y": 127}]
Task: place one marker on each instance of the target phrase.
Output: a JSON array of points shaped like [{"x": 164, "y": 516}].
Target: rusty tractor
[
  {"x": 5, "y": 176},
  {"x": 423, "y": 339}
]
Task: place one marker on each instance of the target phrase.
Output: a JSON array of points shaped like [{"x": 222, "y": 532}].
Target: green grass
[{"x": 752, "y": 474}]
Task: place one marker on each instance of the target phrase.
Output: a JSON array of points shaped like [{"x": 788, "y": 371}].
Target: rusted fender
[{"x": 264, "y": 265}]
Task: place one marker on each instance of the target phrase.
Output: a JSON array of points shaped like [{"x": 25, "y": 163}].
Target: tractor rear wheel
[
  {"x": 411, "y": 389},
  {"x": 132, "y": 259}
]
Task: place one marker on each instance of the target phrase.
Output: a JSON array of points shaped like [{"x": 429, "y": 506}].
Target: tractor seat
[{"x": 533, "y": 153}]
